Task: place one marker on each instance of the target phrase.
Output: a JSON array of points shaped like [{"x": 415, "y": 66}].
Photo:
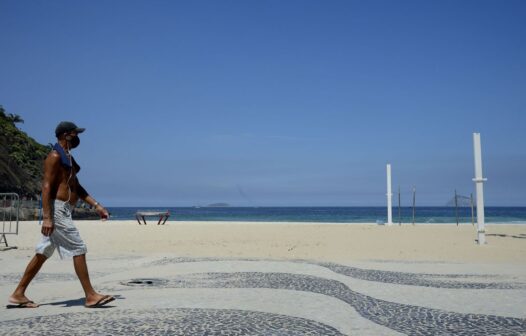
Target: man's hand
[
  {"x": 47, "y": 227},
  {"x": 103, "y": 213}
]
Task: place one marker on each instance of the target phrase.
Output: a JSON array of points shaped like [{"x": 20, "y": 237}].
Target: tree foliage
[
  {"x": 21, "y": 157},
  {"x": 15, "y": 118}
]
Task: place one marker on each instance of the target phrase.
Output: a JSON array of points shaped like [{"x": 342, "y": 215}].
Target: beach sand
[
  {"x": 252, "y": 278},
  {"x": 317, "y": 241}
]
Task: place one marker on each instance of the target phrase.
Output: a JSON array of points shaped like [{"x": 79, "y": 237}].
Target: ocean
[{"x": 504, "y": 215}]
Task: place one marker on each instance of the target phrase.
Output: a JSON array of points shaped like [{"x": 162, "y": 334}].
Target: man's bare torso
[{"x": 64, "y": 183}]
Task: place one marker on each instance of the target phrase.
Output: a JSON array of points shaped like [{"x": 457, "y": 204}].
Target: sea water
[{"x": 504, "y": 215}]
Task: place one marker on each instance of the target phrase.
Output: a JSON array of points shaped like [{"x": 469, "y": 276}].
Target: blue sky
[{"x": 274, "y": 102}]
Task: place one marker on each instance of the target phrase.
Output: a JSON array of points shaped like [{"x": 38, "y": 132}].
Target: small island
[{"x": 218, "y": 205}]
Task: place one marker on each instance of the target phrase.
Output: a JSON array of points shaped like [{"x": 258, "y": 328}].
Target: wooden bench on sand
[{"x": 163, "y": 216}]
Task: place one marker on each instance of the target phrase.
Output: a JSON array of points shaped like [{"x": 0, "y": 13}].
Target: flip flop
[
  {"x": 26, "y": 304},
  {"x": 105, "y": 300}
]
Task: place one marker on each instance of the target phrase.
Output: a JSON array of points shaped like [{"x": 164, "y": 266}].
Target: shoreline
[
  {"x": 249, "y": 222},
  {"x": 246, "y": 222}
]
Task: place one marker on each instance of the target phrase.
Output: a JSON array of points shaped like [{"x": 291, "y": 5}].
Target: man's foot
[
  {"x": 20, "y": 302},
  {"x": 102, "y": 300}
]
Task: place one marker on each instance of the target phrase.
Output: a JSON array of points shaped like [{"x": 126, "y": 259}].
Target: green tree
[
  {"x": 21, "y": 157},
  {"x": 15, "y": 118}
]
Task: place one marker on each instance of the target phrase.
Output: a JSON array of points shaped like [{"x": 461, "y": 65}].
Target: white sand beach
[{"x": 318, "y": 241}]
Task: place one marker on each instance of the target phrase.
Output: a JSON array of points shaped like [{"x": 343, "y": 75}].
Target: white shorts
[{"x": 65, "y": 236}]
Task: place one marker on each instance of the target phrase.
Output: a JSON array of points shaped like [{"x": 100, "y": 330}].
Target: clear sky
[{"x": 274, "y": 102}]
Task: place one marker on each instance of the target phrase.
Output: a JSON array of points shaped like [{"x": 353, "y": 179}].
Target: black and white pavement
[{"x": 211, "y": 296}]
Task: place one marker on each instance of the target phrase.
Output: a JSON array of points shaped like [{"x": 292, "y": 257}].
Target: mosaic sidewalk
[{"x": 206, "y": 296}]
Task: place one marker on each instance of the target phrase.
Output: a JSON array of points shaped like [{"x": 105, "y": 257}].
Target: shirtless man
[{"x": 60, "y": 192}]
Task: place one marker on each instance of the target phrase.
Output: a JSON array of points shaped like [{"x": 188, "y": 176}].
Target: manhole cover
[{"x": 145, "y": 282}]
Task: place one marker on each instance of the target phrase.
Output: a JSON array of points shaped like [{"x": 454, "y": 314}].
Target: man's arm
[
  {"x": 49, "y": 188},
  {"x": 83, "y": 194}
]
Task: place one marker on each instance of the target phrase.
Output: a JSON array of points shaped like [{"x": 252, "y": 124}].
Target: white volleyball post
[
  {"x": 389, "y": 197},
  {"x": 479, "y": 180}
]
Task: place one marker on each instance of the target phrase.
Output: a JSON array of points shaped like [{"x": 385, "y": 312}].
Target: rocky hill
[
  {"x": 21, "y": 169},
  {"x": 21, "y": 158}
]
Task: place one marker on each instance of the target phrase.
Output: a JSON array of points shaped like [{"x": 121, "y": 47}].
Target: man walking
[{"x": 60, "y": 192}]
